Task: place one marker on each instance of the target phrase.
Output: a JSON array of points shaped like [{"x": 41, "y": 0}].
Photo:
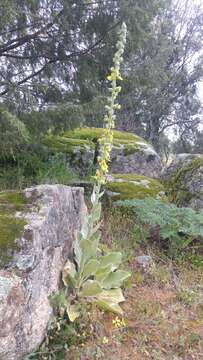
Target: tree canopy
[{"x": 57, "y": 52}]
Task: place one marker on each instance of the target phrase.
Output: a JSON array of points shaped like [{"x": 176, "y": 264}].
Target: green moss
[
  {"x": 129, "y": 146},
  {"x": 67, "y": 145},
  {"x": 133, "y": 186},
  {"x": 134, "y": 177},
  {"x": 10, "y": 229},
  {"x": 130, "y": 142},
  {"x": 94, "y": 134},
  {"x": 86, "y": 138},
  {"x": 176, "y": 188},
  {"x": 15, "y": 200},
  {"x": 10, "y": 226}
]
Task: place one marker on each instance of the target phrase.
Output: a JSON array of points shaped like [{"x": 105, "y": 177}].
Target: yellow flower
[
  {"x": 119, "y": 77},
  {"x": 106, "y": 140},
  {"x": 105, "y": 340},
  {"x": 111, "y": 137},
  {"x": 98, "y": 173},
  {"x": 115, "y": 74},
  {"x": 118, "y": 323},
  {"x": 103, "y": 165}
]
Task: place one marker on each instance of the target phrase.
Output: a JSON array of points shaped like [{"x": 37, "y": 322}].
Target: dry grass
[
  {"x": 159, "y": 325},
  {"x": 163, "y": 308}
]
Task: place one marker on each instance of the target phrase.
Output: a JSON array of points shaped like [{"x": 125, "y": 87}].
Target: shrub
[{"x": 34, "y": 165}]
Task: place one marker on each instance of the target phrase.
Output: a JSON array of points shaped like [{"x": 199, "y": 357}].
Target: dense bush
[
  {"x": 24, "y": 161},
  {"x": 34, "y": 165},
  {"x": 177, "y": 228}
]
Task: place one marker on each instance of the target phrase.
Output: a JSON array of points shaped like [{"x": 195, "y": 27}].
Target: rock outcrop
[
  {"x": 35, "y": 241},
  {"x": 130, "y": 153},
  {"x": 133, "y": 186},
  {"x": 184, "y": 179}
]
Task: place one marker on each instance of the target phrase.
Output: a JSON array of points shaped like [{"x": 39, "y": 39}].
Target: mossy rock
[
  {"x": 130, "y": 152},
  {"x": 128, "y": 141},
  {"x": 63, "y": 144},
  {"x": 11, "y": 227},
  {"x": 133, "y": 186},
  {"x": 86, "y": 138},
  {"x": 93, "y": 134},
  {"x": 79, "y": 153},
  {"x": 185, "y": 186}
]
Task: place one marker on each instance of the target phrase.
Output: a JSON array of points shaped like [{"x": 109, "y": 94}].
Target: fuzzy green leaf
[
  {"x": 113, "y": 258},
  {"x": 103, "y": 272},
  {"x": 89, "y": 249},
  {"x": 110, "y": 306},
  {"x": 95, "y": 238},
  {"x": 90, "y": 288},
  {"x": 109, "y": 300},
  {"x": 78, "y": 252},
  {"x": 95, "y": 229},
  {"x": 96, "y": 212},
  {"x": 115, "y": 279},
  {"x": 85, "y": 228},
  {"x": 72, "y": 311},
  {"x": 113, "y": 295},
  {"x": 90, "y": 268}
]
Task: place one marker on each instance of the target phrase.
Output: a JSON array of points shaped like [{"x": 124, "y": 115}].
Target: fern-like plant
[{"x": 178, "y": 227}]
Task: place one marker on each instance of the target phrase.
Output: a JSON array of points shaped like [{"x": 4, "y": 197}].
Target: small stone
[{"x": 144, "y": 260}]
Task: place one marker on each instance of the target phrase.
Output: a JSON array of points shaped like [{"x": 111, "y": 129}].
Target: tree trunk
[{"x": 152, "y": 133}]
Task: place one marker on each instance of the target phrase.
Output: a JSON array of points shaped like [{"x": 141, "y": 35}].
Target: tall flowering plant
[
  {"x": 93, "y": 277},
  {"x": 106, "y": 140}
]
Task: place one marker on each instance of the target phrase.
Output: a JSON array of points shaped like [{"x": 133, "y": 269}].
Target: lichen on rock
[{"x": 133, "y": 186}]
